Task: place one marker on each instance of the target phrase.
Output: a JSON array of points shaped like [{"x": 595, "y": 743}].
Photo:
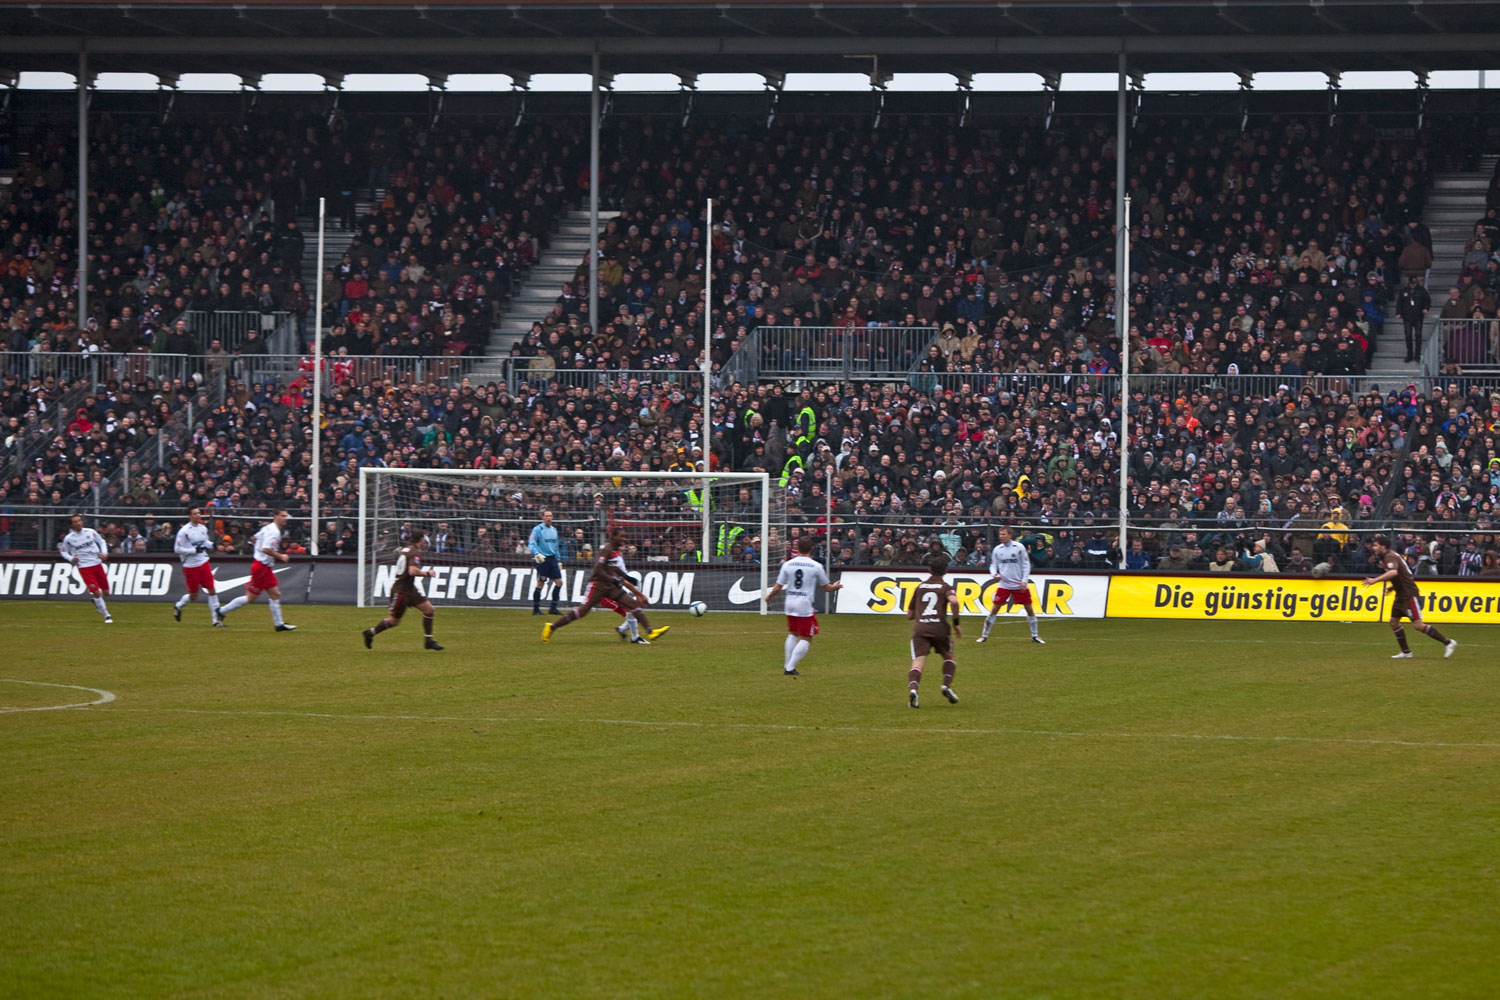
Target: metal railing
[
  {"x": 230, "y": 326},
  {"x": 1090, "y": 543},
  {"x": 1431, "y": 549},
  {"x": 830, "y": 352},
  {"x": 689, "y": 380},
  {"x": 1466, "y": 345}
]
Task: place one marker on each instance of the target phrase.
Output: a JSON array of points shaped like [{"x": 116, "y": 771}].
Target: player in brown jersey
[
  {"x": 609, "y": 587},
  {"x": 1406, "y": 600},
  {"x": 927, "y": 610},
  {"x": 404, "y": 592}
]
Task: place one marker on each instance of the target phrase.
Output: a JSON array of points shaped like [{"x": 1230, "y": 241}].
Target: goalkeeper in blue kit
[{"x": 543, "y": 547}]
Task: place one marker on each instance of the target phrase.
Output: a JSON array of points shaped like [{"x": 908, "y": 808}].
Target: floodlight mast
[
  {"x": 708, "y": 413},
  {"x": 1122, "y": 306}
]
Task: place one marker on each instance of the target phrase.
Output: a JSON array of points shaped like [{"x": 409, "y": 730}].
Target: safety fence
[
  {"x": 841, "y": 353},
  {"x": 1470, "y": 345}
]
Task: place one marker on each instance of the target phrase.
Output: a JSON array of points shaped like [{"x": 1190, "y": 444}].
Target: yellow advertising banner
[
  {"x": 1455, "y": 601},
  {"x": 1236, "y": 597},
  {"x": 1243, "y": 598}
]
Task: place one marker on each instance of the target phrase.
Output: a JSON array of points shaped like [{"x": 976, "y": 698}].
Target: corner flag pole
[
  {"x": 708, "y": 365},
  {"x": 317, "y": 408}
]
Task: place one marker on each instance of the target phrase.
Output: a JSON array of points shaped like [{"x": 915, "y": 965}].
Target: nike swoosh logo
[
  {"x": 739, "y": 595},
  {"x": 240, "y": 581}
]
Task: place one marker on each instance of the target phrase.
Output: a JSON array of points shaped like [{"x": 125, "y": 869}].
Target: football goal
[{"x": 689, "y": 536}]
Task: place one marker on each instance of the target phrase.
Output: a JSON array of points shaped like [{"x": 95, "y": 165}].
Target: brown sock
[
  {"x": 380, "y": 626},
  {"x": 913, "y": 679},
  {"x": 640, "y": 619},
  {"x": 1433, "y": 633},
  {"x": 1401, "y": 638},
  {"x": 427, "y": 626},
  {"x": 949, "y": 669},
  {"x": 571, "y": 616}
]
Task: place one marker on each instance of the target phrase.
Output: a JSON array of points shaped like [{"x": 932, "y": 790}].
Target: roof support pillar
[
  {"x": 81, "y": 271},
  {"x": 594, "y": 195}
]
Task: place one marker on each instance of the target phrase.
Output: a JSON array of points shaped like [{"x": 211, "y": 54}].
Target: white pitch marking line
[
  {"x": 105, "y": 697},
  {"x": 781, "y": 727}
]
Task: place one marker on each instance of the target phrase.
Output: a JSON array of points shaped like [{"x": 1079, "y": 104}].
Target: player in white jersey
[
  {"x": 192, "y": 546},
  {"x": 801, "y": 578},
  {"x": 1010, "y": 565},
  {"x": 85, "y": 548},
  {"x": 266, "y": 552}
]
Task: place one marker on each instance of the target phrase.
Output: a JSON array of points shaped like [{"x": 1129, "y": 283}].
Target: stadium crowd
[{"x": 1275, "y": 254}]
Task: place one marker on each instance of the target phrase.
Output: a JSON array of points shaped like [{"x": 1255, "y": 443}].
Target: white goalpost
[{"x": 689, "y": 536}]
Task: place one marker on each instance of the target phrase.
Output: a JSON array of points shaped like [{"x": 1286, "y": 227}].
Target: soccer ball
[{"x": 697, "y": 609}]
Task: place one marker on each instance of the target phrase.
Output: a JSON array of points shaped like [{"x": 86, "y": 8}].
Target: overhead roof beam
[
  {"x": 36, "y": 13},
  {"x": 423, "y": 14},
  {"x": 734, "y": 46},
  {"x": 333, "y": 15},
  {"x": 129, "y": 15},
  {"x": 1419, "y": 11},
  {"x": 613, "y": 18},
  {"x": 240, "y": 9},
  {"x": 818, "y": 15},
  {"x": 914, "y": 12},
  {"x": 1130, "y": 15},
  {"x": 1018, "y": 20},
  {"x": 1319, "y": 9},
  {"x": 515, "y": 15},
  {"x": 738, "y": 22},
  {"x": 1222, "y": 8}
]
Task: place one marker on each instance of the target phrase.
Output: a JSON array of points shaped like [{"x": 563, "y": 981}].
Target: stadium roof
[{"x": 337, "y": 37}]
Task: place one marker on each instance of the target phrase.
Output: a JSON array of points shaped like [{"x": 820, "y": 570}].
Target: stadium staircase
[
  {"x": 567, "y": 248},
  {"x": 336, "y": 240},
  {"x": 1457, "y": 201}
]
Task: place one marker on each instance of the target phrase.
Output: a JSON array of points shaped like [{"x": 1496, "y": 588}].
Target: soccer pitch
[{"x": 1137, "y": 809}]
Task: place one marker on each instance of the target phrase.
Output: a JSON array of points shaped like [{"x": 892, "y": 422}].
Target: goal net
[{"x": 687, "y": 538}]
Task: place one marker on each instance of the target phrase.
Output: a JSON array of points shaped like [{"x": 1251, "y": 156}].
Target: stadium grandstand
[{"x": 911, "y": 290}]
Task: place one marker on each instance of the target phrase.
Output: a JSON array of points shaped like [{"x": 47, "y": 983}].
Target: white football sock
[
  {"x": 99, "y": 603},
  {"x": 1031, "y": 623},
  {"x": 182, "y": 601},
  {"x": 798, "y": 652},
  {"x": 989, "y": 623},
  {"x": 786, "y": 654},
  {"x": 635, "y": 630},
  {"x": 275, "y": 611},
  {"x": 213, "y": 602},
  {"x": 235, "y": 605}
]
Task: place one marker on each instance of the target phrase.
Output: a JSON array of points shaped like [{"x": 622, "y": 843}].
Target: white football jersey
[
  {"x": 189, "y": 537},
  {"x": 1012, "y": 564},
  {"x": 801, "y": 578},
  {"x": 83, "y": 547},
  {"x": 268, "y": 537}
]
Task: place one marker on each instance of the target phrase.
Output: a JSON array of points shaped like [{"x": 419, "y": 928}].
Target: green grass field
[{"x": 1138, "y": 809}]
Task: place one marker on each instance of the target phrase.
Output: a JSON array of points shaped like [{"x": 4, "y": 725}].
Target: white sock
[
  {"x": 275, "y": 611},
  {"x": 99, "y": 603},
  {"x": 798, "y": 652},
  {"x": 213, "y": 603},
  {"x": 786, "y": 655},
  {"x": 635, "y": 630},
  {"x": 989, "y": 623},
  {"x": 1031, "y": 623},
  {"x": 182, "y": 601},
  {"x": 235, "y": 605}
]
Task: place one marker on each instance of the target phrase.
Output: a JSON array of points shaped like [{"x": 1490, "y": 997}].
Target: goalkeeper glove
[{"x": 538, "y": 558}]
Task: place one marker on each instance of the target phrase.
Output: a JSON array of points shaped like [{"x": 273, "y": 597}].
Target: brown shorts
[
  {"x": 931, "y": 641},
  {"x": 401, "y": 600}
]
